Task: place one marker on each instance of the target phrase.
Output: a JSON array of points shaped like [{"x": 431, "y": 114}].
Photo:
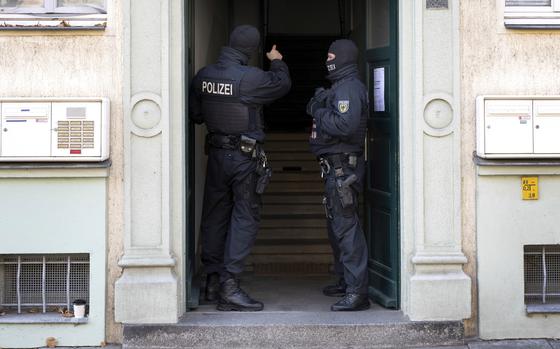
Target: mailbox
[
  {"x": 71, "y": 129},
  {"x": 518, "y": 127}
]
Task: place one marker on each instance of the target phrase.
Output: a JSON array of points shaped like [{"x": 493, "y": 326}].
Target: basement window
[
  {"x": 532, "y": 14},
  {"x": 53, "y": 14},
  {"x": 542, "y": 278},
  {"x": 42, "y": 286}
]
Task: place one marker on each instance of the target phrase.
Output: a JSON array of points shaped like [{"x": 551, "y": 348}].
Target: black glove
[{"x": 317, "y": 101}]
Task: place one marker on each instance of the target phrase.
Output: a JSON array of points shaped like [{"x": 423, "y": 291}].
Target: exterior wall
[
  {"x": 504, "y": 220},
  {"x": 496, "y": 61},
  {"x": 57, "y": 211},
  {"x": 433, "y": 283},
  {"x": 74, "y": 63}
]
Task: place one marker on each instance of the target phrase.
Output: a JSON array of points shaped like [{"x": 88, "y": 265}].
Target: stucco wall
[
  {"x": 495, "y": 60},
  {"x": 71, "y": 63}
]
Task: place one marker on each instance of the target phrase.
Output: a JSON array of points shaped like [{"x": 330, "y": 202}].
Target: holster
[
  {"x": 343, "y": 186},
  {"x": 344, "y": 190},
  {"x": 264, "y": 172}
]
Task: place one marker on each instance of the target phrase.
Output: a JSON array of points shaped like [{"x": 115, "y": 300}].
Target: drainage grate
[
  {"x": 542, "y": 274},
  {"x": 43, "y": 280}
]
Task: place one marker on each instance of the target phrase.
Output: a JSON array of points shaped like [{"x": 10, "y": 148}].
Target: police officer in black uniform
[
  {"x": 228, "y": 97},
  {"x": 337, "y": 139}
]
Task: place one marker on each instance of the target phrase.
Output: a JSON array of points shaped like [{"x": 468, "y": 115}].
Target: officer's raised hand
[
  {"x": 274, "y": 54},
  {"x": 317, "y": 101}
]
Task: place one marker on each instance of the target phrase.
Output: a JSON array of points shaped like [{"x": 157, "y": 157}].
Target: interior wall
[{"x": 211, "y": 20}]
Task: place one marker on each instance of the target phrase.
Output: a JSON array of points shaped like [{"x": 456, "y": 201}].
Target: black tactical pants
[
  {"x": 345, "y": 231},
  {"x": 231, "y": 211}
]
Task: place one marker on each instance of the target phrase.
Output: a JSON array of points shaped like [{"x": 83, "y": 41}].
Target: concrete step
[
  {"x": 296, "y": 315},
  {"x": 284, "y": 146},
  {"x": 294, "y": 258},
  {"x": 295, "y": 187},
  {"x": 296, "y": 176},
  {"x": 289, "y": 209},
  {"x": 292, "y": 198},
  {"x": 288, "y": 246},
  {"x": 294, "y": 221},
  {"x": 290, "y": 155},
  {"x": 291, "y": 233},
  {"x": 295, "y": 166},
  {"x": 265, "y": 330}
]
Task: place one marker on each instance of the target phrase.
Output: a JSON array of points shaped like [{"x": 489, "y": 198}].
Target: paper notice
[{"x": 379, "y": 89}]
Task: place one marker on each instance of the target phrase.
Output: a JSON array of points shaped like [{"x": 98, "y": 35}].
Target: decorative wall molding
[
  {"x": 147, "y": 292},
  {"x": 438, "y": 289}
]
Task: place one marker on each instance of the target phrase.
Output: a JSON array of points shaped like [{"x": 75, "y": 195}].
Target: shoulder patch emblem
[{"x": 343, "y": 106}]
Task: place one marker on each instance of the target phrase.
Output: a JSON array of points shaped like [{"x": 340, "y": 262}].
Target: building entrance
[{"x": 292, "y": 259}]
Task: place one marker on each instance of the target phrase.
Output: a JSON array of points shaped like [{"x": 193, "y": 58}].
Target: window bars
[
  {"x": 43, "y": 280},
  {"x": 542, "y": 274}
]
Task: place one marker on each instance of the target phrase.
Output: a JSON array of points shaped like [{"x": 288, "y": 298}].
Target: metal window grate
[
  {"x": 43, "y": 280},
  {"x": 542, "y": 274}
]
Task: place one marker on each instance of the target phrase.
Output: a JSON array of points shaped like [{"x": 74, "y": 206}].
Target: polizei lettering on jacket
[{"x": 217, "y": 88}]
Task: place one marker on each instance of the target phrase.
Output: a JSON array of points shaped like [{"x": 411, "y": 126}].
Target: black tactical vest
[{"x": 222, "y": 108}]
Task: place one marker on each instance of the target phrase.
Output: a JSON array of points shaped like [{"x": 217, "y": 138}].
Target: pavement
[
  {"x": 477, "y": 344},
  {"x": 506, "y": 344}
]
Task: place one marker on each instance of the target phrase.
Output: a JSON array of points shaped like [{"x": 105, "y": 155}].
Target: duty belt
[
  {"x": 337, "y": 162},
  {"x": 223, "y": 141}
]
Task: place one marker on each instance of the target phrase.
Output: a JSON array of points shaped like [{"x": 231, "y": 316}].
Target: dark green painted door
[
  {"x": 382, "y": 194},
  {"x": 192, "y": 288}
]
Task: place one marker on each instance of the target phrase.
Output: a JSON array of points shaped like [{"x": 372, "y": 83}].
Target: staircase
[{"x": 293, "y": 234}]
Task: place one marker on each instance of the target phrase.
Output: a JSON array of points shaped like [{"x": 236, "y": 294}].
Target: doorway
[{"x": 292, "y": 256}]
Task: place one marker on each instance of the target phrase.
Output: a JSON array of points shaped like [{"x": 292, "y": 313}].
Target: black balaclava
[
  {"x": 346, "y": 53},
  {"x": 245, "y": 39}
]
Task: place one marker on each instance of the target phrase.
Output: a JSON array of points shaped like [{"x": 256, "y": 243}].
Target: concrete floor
[{"x": 293, "y": 299}]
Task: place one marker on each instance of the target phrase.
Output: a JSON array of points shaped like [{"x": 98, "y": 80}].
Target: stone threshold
[{"x": 293, "y": 330}]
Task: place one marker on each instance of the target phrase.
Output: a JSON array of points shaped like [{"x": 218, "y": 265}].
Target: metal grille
[
  {"x": 542, "y": 274},
  {"x": 43, "y": 280}
]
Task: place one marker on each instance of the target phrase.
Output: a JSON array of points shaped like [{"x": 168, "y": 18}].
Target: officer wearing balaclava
[
  {"x": 228, "y": 97},
  {"x": 337, "y": 139}
]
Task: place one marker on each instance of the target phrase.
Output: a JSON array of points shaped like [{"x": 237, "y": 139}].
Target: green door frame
[
  {"x": 382, "y": 184},
  {"x": 380, "y": 196}
]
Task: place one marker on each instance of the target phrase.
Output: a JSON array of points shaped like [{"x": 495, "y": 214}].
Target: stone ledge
[{"x": 40, "y": 318}]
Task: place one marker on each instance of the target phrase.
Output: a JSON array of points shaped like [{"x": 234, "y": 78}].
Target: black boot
[
  {"x": 352, "y": 302},
  {"x": 212, "y": 292},
  {"x": 233, "y": 298},
  {"x": 336, "y": 290}
]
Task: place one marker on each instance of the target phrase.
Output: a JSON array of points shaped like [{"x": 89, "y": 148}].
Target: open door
[
  {"x": 191, "y": 272},
  {"x": 382, "y": 195}
]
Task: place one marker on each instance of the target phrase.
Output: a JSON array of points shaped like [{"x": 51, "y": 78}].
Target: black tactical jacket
[
  {"x": 340, "y": 127},
  {"x": 256, "y": 88}
]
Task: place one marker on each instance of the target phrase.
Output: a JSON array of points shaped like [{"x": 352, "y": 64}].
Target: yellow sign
[{"x": 530, "y": 188}]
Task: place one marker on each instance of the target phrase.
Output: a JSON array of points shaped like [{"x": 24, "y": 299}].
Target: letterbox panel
[
  {"x": 546, "y": 119},
  {"x": 77, "y": 129},
  {"x": 26, "y": 129},
  {"x": 508, "y": 127}
]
